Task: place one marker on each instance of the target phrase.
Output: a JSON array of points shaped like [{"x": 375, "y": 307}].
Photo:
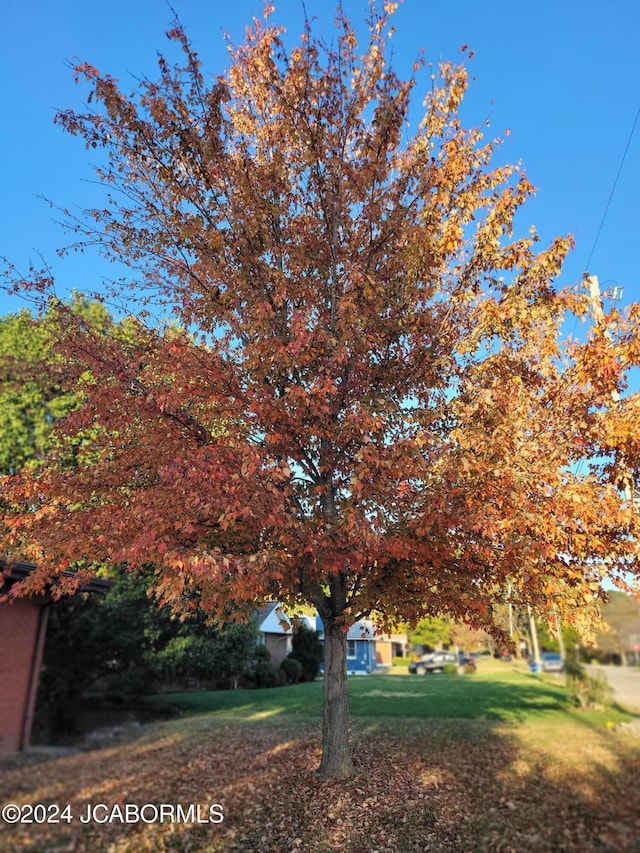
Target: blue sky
[{"x": 563, "y": 76}]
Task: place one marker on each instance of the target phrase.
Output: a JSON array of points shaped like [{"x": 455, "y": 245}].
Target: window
[{"x": 351, "y": 648}]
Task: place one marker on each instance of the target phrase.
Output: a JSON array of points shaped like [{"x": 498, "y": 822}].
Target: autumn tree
[
  {"x": 467, "y": 638},
  {"x": 405, "y": 429}
]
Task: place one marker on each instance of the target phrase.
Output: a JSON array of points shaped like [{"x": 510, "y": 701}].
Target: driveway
[{"x": 624, "y": 681}]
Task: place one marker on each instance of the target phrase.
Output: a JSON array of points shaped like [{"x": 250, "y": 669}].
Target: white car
[
  {"x": 434, "y": 662},
  {"x": 551, "y": 662}
]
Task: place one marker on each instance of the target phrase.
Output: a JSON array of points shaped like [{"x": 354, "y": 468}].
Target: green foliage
[
  {"x": 450, "y": 669},
  {"x": 588, "y": 692},
  {"x": 30, "y": 400},
  {"x": 125, "y": 643},
  {"x": 186, "y": 659},
  {"x": 231, "y": 649},
  {"x": 263, "y": 673},
  {"x": 574, "y": 669},
  {"x": 262, "y": 654},
  {"x": 403, "y": 662},
  {"x": 292, "y": 669},
  {"x": 432, "y": 631},
  {"x": 267, "y": 675},
  {"x": 549, "y": 641},
  {"x": 201, "y": 656},
  {"x": 307, "y": 648},
  {"x": 108, "y": 641}
]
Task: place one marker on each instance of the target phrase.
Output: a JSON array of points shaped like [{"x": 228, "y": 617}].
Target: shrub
[
  {"x": 262, "y": 654},
  {"x": 187, "y": 659},
  {"x": 307, "y": 648},
  {"x": 574, "y": 669},
  {"x": 232, "y": 647},
  {"x": 249, "y": 678},
  {"x": 125, "y": 643},
  {"x": 450, "y": 669},
  {"x": 402, "y": 662},
  {"x": 267, "y": 675},
  {"x": 589, "y": 692},
  {"x": 292, "y": 669}
]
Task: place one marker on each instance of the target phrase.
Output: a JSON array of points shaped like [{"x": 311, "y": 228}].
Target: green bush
[
  {"x": 267, "y": 675},
  {"x": 404, "y": 662},
  {"x": 123, "y": 642},
  {"x": 189, "y": 659},
  {"x": 589, "y": 692},
  {"x": 307, "y": 648},
  {"x": 450, "y": 669},
  {"x": 249, "y": 678},
  {"x": 574, "y": 669},
  {"x": 262, "y": 653},
  {"x": 292, "y": 669}
]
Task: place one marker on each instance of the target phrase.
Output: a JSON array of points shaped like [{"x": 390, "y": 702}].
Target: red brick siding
[
  {"x": 20, "y": 655},
  {"x": 279, "y": 646}
]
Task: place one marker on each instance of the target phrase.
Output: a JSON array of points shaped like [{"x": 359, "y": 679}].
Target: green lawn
[
  {"x": 494, "y": 761},
  {"x": 497, "y": 691}
]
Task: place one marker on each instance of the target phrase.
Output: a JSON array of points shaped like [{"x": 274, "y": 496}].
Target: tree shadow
[{"x": 445, "y": 785}]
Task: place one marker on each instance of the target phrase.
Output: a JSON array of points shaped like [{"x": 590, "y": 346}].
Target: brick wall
[
  {"x": 22, "y": 629},
  {"x": 279, "y": 646}
]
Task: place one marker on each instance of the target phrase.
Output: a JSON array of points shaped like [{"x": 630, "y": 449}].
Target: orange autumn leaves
[{"x": 367, "y": 376}]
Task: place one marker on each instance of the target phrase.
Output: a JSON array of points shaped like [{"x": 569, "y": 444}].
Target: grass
[
  {"x": 498, "y": 691},
  {"x": 495, "y": 761}
]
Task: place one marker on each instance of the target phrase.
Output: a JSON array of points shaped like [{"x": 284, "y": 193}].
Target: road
[{"x": 625, "y": 683}]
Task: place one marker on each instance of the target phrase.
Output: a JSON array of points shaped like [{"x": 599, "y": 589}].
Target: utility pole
[
  {"x": 593, "y": 284},
  {"x": 625, "y": 479},
  {"x": 563, "y": 651},
  {"x": 534, "y": 637}
]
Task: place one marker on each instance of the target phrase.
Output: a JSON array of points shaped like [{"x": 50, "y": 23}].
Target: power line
[
  {"x": 613, "y": 189},
  {"x": 602, "y": 221},
  {"x": 608, "y": 205}
]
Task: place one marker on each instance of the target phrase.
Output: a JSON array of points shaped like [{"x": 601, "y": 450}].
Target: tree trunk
[{"x": 336, "y": 754}]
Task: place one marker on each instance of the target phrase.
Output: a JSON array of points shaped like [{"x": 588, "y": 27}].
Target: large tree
[
  {"x": 404, "y": 432},
  {"x": 31, "y": 399}
]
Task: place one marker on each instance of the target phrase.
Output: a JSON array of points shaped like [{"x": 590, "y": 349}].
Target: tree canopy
[
  {"x": 368, "y": 404},
  {"x": 31, "y": 400}
]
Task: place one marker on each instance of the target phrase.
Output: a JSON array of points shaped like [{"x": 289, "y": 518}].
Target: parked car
[
  {"x": 551, "y": 662},
  {"x": 433, "y": 662}
]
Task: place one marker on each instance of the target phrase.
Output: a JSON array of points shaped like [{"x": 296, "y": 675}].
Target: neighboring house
[
  {"x": 272, "y": 632},
  {"x": 23, "y": 626},
  {"x": 361, "y": 647},
  {"x": 390, "y": 646},
  {"x": 275, "y": 632}
]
